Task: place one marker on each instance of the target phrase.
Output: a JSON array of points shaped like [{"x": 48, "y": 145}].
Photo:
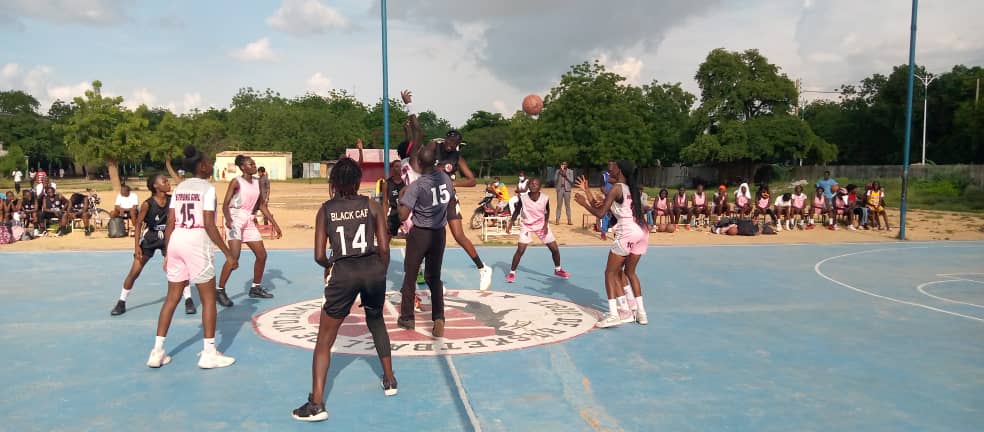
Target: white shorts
[
  {"x": 190, "y": 257},
  {"x": 635, "y": 242},
  {"x": 526, "y": 235},
  {"x": 243, "y": 228}
]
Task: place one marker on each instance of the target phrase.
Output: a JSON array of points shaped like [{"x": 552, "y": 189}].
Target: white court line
[
  {"x": 816, "y": 268},
  {"x": 922, "y": 289},
  {"x": 462, "y": 394}
]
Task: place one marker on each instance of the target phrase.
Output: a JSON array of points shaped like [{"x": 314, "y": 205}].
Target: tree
[
  {"x": 666, "y": 112},
  {"x": 18, "y": 102},
  {"x": 169, "y": 139},
  {"x": 744, "y": 115},
  {"x": 485, "y": 134},
  {"x": 102, "y": 130},
  {"x": 432, "y": 125}
]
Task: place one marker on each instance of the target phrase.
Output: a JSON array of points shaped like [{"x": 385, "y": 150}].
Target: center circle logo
[{"x": 476, "y": 322}]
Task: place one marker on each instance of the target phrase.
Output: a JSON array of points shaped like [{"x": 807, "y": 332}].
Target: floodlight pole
[
  {"x": 386, "y": 122},
  {"x": 926, "y": 80},
  {"x": 908, "y": 120}
]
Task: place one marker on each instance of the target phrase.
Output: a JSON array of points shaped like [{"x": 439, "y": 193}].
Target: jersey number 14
[{"x": 358, "y": 241}]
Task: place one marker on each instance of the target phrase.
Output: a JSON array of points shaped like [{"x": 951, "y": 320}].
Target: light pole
[{"x": 926, "y": 80}]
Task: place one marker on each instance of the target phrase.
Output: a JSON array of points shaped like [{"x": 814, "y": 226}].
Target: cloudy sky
[{"x": 458, "y": 56}]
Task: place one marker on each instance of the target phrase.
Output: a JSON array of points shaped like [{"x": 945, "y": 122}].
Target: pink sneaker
[
  {"x": 562, "y": 274},
  {"x": 511, "y": 278}
]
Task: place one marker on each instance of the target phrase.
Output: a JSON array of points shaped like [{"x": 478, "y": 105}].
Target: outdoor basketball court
[{"x": 873, "y": 337}]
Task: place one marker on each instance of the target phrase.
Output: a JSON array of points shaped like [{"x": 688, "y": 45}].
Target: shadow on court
[{"x": 553, "y": 286}]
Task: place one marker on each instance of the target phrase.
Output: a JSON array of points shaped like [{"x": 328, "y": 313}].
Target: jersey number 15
[{"x": 445, "y": 195}]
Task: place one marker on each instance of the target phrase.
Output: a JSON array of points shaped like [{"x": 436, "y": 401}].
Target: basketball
[
  {"x": 532, "y": 104},
  {"x": 671, "y": 228}
]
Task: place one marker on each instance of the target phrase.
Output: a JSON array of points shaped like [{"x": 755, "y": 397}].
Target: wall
[
  {"x": 277, "y": 167},
  {"x": 875, "y": 172}
]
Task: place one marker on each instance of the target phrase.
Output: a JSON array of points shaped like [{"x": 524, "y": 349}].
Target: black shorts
[
  {"x": 148, "y": 253},
  {"x": 351, "y": 277}
]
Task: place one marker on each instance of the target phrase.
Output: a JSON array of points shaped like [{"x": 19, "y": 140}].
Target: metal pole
[
  {"x": 908, "y": 120},
  {"x": 925, "y": 113},
  {"x": 386, "y": 121}
]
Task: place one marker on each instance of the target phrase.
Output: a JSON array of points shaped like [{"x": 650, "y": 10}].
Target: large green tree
[
  {"x": 102, "y": 130},
  {"x": 744, "y": 117},
  {"x": 168, "y": 139}
]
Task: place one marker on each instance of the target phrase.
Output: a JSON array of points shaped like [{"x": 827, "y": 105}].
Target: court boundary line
[
  {"x": 816, "y": 268},
  {"x": 922, "y": 288},
  {"x": 460, "y": 386}
]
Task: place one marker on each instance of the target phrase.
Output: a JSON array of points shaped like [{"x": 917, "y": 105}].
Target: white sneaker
[
  {"x": 626, "y": 316},
  {"x": 852, "y": 228},
  {"x": 641, "y": 317},
  {"x": 486, "y": 274},
  {"x": 778, "y": 227},
  {"x": 609, "y": 320},
  {"x": 213, "y": 360},
  {"x": 158, "y": 358}
]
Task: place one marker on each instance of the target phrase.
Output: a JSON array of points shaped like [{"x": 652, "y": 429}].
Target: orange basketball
[
  {"x": 671, "y": 228},
  {"x": 532, "y": 104}
]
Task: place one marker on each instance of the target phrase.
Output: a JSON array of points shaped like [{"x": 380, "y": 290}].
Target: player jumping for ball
[{"x": 535, "y": 210}]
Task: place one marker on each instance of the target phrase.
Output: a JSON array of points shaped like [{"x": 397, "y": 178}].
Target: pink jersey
[
  {"x": 681, "y": 201},
  {"x": 699, "y": 199},
  {"x": 623, "y": 212},
  {"x": 819, "y": 202},
  {"x": 763, "y": 202},
  {"x": 534, "y": 212},
  {"x": 247, "y": 196},
  {"x": 799, "y": 200},
  {"x": 662, "y": 205},
  {"x": 190, "y": 200}
]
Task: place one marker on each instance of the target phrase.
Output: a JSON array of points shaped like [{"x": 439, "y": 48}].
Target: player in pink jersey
[
  {"x": 799, "y": 206},
  {"x": 241, "y": 198},
  {"x": 189, "y": 237},
  {"x": 535, "y": 210},
  {"x": 631, "y": 239}
]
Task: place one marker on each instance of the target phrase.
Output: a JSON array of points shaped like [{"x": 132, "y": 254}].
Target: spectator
[
  {"x": 61, "y": 172},
  {"x": 126, "y": 204},
  {"x": 18, "y": 177},
  {"x": 826, "y": 182},
  {"x": 43, "y": 184},
  {"x": 564, "y": 182},
  {"x": 264, "y": 184}
]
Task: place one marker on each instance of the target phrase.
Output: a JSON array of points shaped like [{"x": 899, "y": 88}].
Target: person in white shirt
[
  {"x": 43, "y": 185},
  {"x": 18, "y": 177},
  {"x": 782, "y": 206},
  {"x": 126, "y": 204}
]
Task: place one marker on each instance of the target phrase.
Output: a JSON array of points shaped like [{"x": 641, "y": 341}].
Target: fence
[{"x": 875, "y": 172}]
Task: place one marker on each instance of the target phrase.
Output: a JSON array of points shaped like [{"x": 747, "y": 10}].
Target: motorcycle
[{"x": 485, "y": 209}]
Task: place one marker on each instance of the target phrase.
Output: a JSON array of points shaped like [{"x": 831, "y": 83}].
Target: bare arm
[
  {"x": 358, "y": 145},
  {"x": 230, "y": 192},
  {"x": 469, "y": 177},
  {"x": 168, "y": 229},
  {"x": 216, "y": 237},
  {"x": 268, "y": 216},
  {"x": 384, "y": 192},
  {"x": 321, "y": 239},
  {"x": 599, "y": 211},
  {"x": 382, "y": 236},
  {"x": 144, "y": 208}
]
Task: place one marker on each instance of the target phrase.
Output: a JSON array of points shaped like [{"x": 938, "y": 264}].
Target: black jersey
[
  {"x": 448, "y": 161},
  {"x": 78, "y": 202},
  {"x": 156, "y": 218},
  {"x": 57, "y": 204},
  {"x": 28, "y": 206},
  {"x": 394, "y": 189},
  {"x": 351, "y": 229}
]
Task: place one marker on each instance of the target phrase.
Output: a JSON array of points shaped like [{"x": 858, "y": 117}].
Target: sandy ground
[{"x": 294, "y": 205}]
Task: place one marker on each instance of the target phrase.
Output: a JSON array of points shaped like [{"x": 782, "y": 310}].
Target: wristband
[{"x": 409, "y": 107}]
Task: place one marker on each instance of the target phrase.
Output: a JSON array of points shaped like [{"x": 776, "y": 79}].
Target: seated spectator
[
  {"x": 799, "y": 206},
  {"x": 762, "y": 201},
  {"x": 701, "y": 207},
  {"x": 29, "y": 209},
  {"x": 661, "y": 206},
  {"x": 818, "y": 208},
  {"x": 81, "y": 208},
  {"x": 54, "y": 206},
  {"x": 743, "y": 200},
  {"x": 126, "y": 205},
  {"x": 680, "y": 208},
  {"x": 838, "y": 206},
  {"x": 503, "y": 193},
  {"x": 876, "y": 205},
  {"x": 782, "y": 208},
  {"x": 720, "y": 206}
]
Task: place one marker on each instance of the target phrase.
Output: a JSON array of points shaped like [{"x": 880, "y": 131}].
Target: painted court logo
[{"x": 476, "y": 322}]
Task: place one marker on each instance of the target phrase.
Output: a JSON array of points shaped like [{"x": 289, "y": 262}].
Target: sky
[{"x": 458, "y": 56}]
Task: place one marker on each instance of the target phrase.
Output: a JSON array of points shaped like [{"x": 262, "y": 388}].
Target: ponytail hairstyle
[
  {"x": 240, "y": 160},
  {"x": 150, "y": 183},
  {"x": 192, "y": 157},
  {"x": 631, "y": 175}
]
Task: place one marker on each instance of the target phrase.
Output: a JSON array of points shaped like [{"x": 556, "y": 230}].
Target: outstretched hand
[
  {"x": 407, "y": 96},
  {"x": 581, "y": 183}
]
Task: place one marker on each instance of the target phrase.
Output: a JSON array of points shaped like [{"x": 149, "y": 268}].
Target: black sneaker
[
  {"x": 389, "y": 387},
  {"x": 88, "y": 231},
  {"x": 190, "y": 306},
  {"x": 120, "y": 308},
  {"x": 222, "y": 299},
  {"x": 310, "y": 411},
  {"x": 406, "y": 324},
  {"x": 257, "y": 291}
]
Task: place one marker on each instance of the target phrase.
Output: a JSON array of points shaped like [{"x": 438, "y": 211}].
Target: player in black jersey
[
  {"x": 355, "y": 228},
  {"x": 53, "y": 207},
  {"x": 29, "y": 210},
  {"x": 81, "y": 208},
  {"x": 450, "y": 161},
  {"x": 391, "y": 193},
  {"x": 153, "y": 212}
]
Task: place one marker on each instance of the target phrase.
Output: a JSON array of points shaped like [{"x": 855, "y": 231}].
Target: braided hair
[{"x": 345, "y": 177}]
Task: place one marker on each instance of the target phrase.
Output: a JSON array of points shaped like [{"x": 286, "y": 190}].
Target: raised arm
[
  {"x": 414, "y": 133},
  {"x": 599, "y": 211}
]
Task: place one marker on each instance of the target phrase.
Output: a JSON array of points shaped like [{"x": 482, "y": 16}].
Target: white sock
[
  {"x": 124, "y": 293},
  {"x": 512, "y": 272},
  {"x": 629, "y": 296},
  {"x": 622, "y": 302},
  {"x": 209, "y": 345},
  {"x": 639, "y": 307},
  {"x": 256, "y": 285},
  {"x": 187, "y": 292},
  {"x": 811, "y": 221},
  {"x": 613, "y": 306},
  {"x": 159, "y": 342},
  {"x": 221, "y": 288},
  {"x": 557, "y": 268}
]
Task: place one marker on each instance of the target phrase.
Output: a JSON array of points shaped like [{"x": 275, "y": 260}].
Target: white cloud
[
  {"x": 67, "y": 92},
  {"x": 306, "y": 17},
  {"x": 92, "y": 12},
  {"x": 9, "y": 71},
  {"x": 259, "y": 50},
  {"x": 500, "y": 107},
  {"x": 319, "y": 84},
  {"x": 141, "y": 96},
  {"x": 630, "y": 67},
  {"x": 191, "y": 101}
]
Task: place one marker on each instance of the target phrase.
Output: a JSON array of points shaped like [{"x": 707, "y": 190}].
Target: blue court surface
[{"x": 852, "y": 337}]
